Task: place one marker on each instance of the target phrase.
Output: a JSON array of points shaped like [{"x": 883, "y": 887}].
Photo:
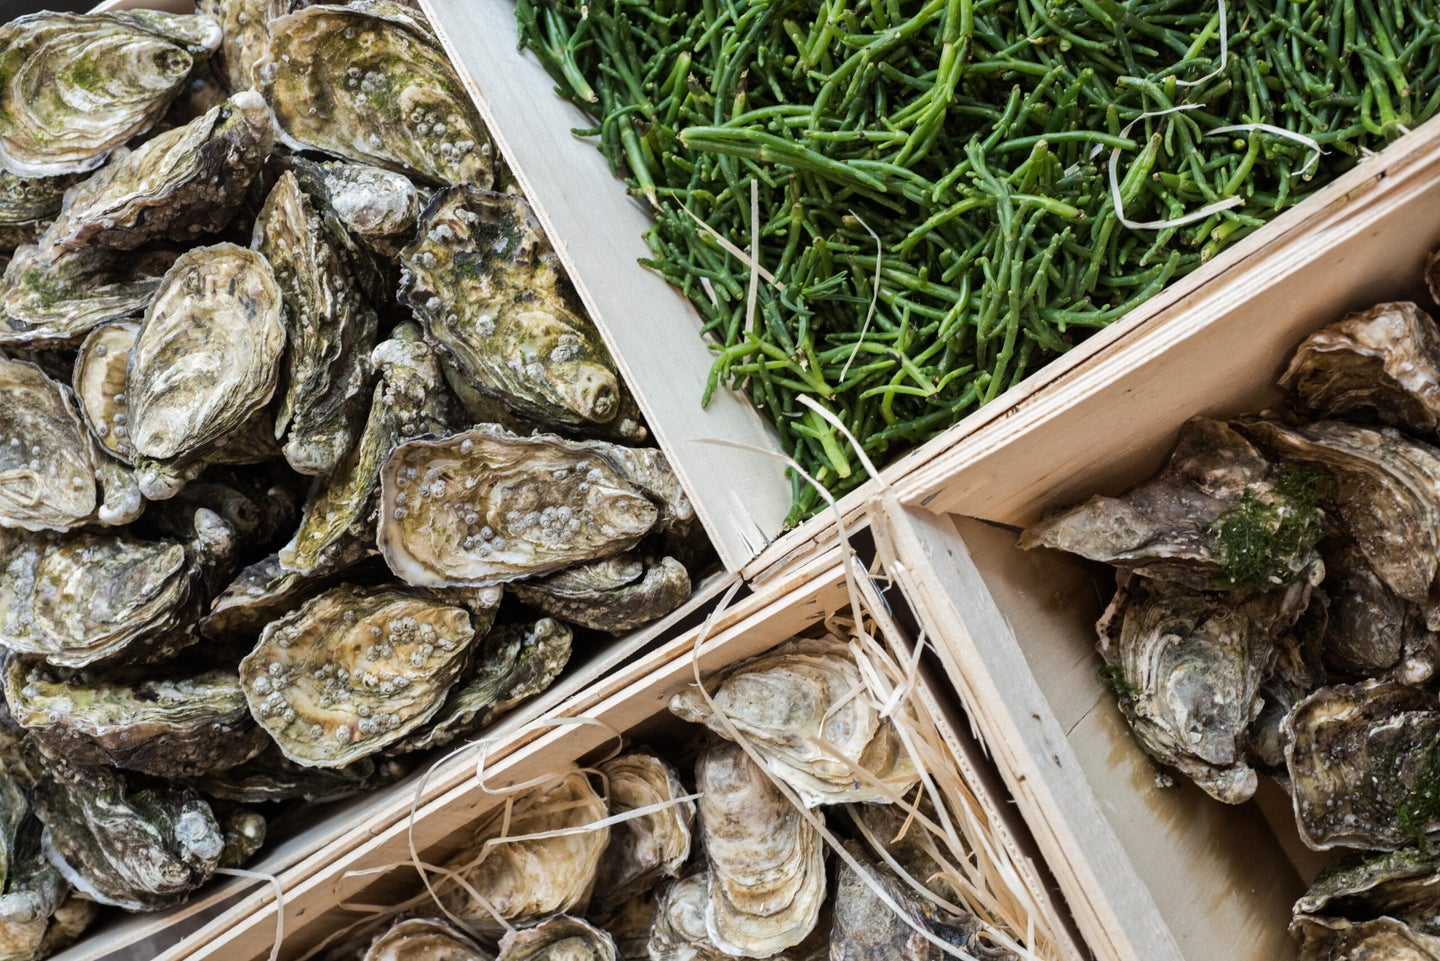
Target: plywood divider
[{"x": 1112, "y": 908}]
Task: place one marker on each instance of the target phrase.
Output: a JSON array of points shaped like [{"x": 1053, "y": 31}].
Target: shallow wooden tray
[
  {"x": 1151, "y": 872},
  {"x": 373, "y": 867}
]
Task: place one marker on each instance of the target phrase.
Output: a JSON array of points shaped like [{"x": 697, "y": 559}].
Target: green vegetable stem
[{"x": 935, "y": 211}]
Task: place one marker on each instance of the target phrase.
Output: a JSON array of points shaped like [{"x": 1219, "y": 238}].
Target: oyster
[
  {"x": 245, "y": 832},
  {"x": 1381, "y": 364},
  {"x": 178, "y": 185},
  {"x": 141, "y": 845},
  {"x": 74, "y": 88},
  {"x": 866, "y": 928},
  {"x": 52, "y": 301},
  {"x": 99, "y": 383},
  {"x": 389, "y": 95},
  {"x": 805, "y": 709},
  {"x": 259, "y": 594},
  {"x": 271, "y": 776},
  {"x": 1386, "y": 494},
  {"x": 337, "y": 526},
  {"x": 488, "y": 289},
  {"x": 1364, "y": 765},
  {"x": 27, "y": 205},
  {"x": 1218, "y": 516},
  {"x": 679, "y": 931},
  {"x": 515, "y": 663},
  {"x": 98, "y": 598},
  {"x": 244, "y": 38},
  {"x": 424, "y": 939},
  {"x": 767, "y": 864},
  {"x": 206, "y": 357},
  {"x": 167, "y": 723},
  {"x": 523, "y": 881},
  {"x": 561, "y": 938},
  {"x": 1403, "y": 884},
  {"x": 1371, "y": 630},
  {"x": 1188, "y": 666},
  {"x": 1381, "y": 939},
  {"x": 615, "y": 594},
  {"x": 485, "y": 506},
  {"x": 48, "y": 465},
  {"x": 330, "y": 332},
  {"x": 630, "y": 926},
  {"x": 31, "y": 890},
  {"x": 353, "y": 671},
  {"x": 378, "y": 208},
  {"x": 648, "y": 848}
]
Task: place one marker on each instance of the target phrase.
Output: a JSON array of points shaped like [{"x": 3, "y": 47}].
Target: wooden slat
[
  {"x": 1112, "y": 907},
  {"x": 597, "y": 229}
]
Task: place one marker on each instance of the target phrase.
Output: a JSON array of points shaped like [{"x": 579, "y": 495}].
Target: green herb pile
[{"x": 930, "y": 183}]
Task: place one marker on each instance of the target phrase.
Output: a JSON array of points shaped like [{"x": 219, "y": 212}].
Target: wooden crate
[
  {"x": 373, "y": 864},
  {"x": 1151, "y": 872}
]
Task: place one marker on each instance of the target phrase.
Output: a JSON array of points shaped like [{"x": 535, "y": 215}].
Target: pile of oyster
[
  {"x": 1278, "y": 613},
  {"x": 294, "y": 394},
  {"x": 559, "y": 874}
]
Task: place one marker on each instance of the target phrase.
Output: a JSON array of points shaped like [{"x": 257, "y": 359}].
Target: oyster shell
[
  {"x": 166, "y": 723},
  {"x": 1377, "y": 365},
  {"x": 614, "y": 594},
  {"x": 487, "y": 287},
  {"x": 271, "y": 776},
  {"x": 485, "y": 507},
  {"x": 141, "y": 845},
  {"x": 47, "y": 461},
  {"x": 630, "y": 926},
  {"x": 525, "y": 880},
  {"x": 561, "y": 938},
  {"x": 1403, "y": 884},
  {"x": 679, "y": 931},
  {"x": 27, "y": 205},
  {"x": 1381, "y": 939},
  {"x": 73, "y": 88},
  {"x": 337, "y": 526},
  {"x": 100, "y": 598},
  {"x": 647, "y": 848},
  {"x": 515, "y": 663},
  {"x": 206, "y": 357},
  {"x": 1386, "y": 494},
  {"x": 377, "y": 207},
  {"x": 34, "y": 891},
  {"x": 259, "y": 594},
  {"x": 31, "y": 941},
  {"x": 50, "y": 302},
  {"x": 805, "y": 709},
  {"x": 244, "y": 38},
  {"x": 245, "y": 832},
  {"x": 1172, "y": 527},
  {"x": 1371, "y": 629},
  {"x": 330, "y": 332},
  {"x": 1364, "y": 765},
  {"x": 390, "y": 95},
  {"x": 767, "y": 864},
  {"x": 178, "y": 185},
  {"x": 1188, "y": 667},
  {"x": 99, "y": 383},
  {"x": 353, "y": 671},
  {"x": 868, "y": 929},
  {"x": 424, "y": 939}
]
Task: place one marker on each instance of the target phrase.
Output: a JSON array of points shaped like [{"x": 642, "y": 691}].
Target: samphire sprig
[{"x": 935, "y": 208}]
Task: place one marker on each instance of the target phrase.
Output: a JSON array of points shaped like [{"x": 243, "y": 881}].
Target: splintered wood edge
[
  {"x": 928, "y": 474},
  {"x": 742, "y": 496},
  {"x": 1112, "y": 907},
  {"x": 312, "y": 892}
]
